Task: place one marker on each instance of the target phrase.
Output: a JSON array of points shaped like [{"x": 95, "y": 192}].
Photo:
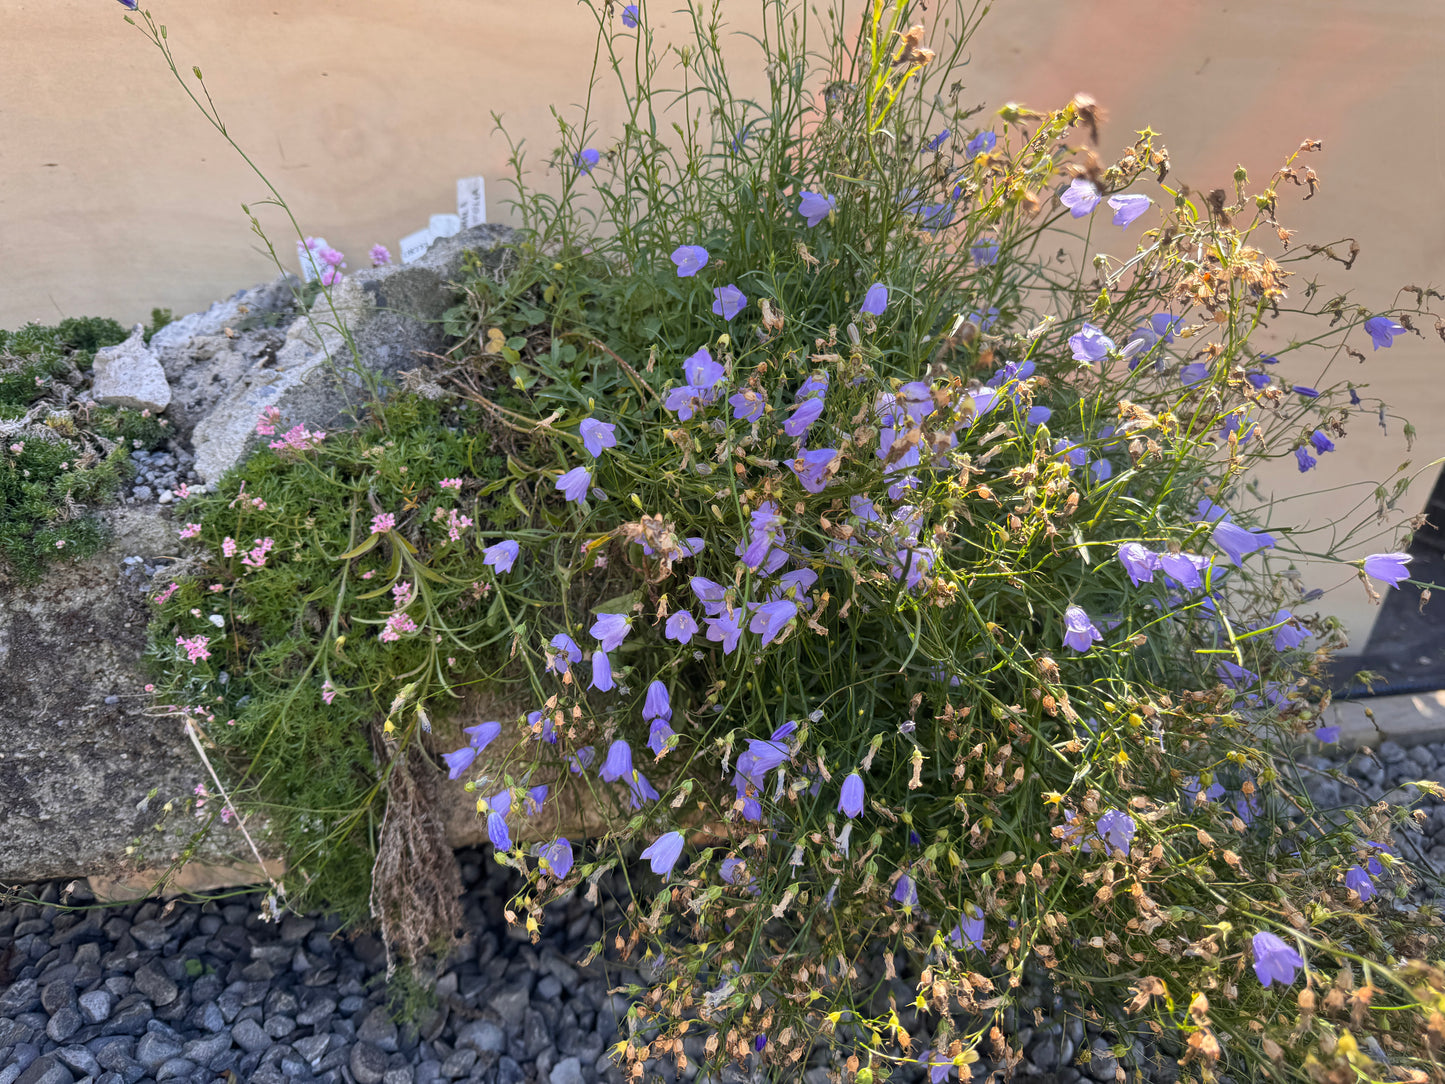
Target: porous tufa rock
[
  {"x": 129, "y": 375},
  {"x": 393, "y": 317}
]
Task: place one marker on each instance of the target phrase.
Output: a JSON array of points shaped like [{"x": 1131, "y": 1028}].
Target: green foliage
[
  {"x": 309, "y": 681},
  {"x": 1073, "y": 754},
  {"x": 58, "y": 460},
  {"x": 159, "y": 319}
]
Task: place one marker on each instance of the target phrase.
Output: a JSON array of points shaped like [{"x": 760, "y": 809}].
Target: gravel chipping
[{"x": 206, "y": 992}]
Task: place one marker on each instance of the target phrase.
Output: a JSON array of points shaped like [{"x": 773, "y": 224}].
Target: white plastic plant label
[
  {"x": 414, "y": 245},
  {"x": 307, "y": 258},
  {"x": 446, "y": 225},
  {"x": 472, "y": 201}
]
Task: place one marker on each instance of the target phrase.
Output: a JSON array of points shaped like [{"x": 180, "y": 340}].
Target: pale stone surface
[
  {"x": 129, "y": 375},
  {"x": 393, "y": 314},
  {"x": 80, "y": 753}
]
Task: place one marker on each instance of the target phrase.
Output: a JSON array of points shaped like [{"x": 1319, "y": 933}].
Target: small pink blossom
[
  {"x": 403, "y": 594},
  {"x": 266, "y": 425},
  {"x": 396, "y": 624},
  {"x": 298, "y": 439},
  {"x": 382, "y": 522},
  {"x": 456, "y": 524},
  {"x": 380, "y": 256},
  {"x": 330, "y": 276},
  {"x": 17, "y": 447},
  {"x": 328, "y": 691},
  {"x": 215, "y": 587},
  {"x": 60, "y": 543},
  {"x": 190, "y": 530},
  {"x": 227, "y": 813},
  {"x": 150, "y": 688},
  {"x": 164, "y": 596},
  {"x": 183, "y": 491},
  {"x": 200, "y": 791},
  {"x": 257, "y": 557},
  {"x": 197, "y": 647},
  {"x": 370, "y": 572},
  {"x": 451, "y": 483},
  {"x": 228, "y": 546}
]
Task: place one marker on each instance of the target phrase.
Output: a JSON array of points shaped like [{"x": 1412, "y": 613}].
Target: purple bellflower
[
  {"x": 981, "y": 143},
  {"x": 1238, "y": 542},
  {"x": 1079, "y": 632},
  {"x": 701, "y": 371},
  {"x": 1274, "y": 961},
  {"x": 1306, "y": 461},
  {"x": 690, "y": 259},
  {"x": 1116, "y": 829},
  {"x": 725, "y": 630},
  {"x": 1382, "y": 331},
  {"x": 630, "y": 16},
  {"x": 711, "y": 595},
  {"x": 567, "y": 652},
  {"x": 1139, "y": 562},
  {"x": 681, "y": 626},
  {"x": 1321, "y": 442},
  {"x": 803, "y": 417},
  {"x": 1184, "y": 569},
  {"x": 601, "y": 672},
  {"x": 501, "y": 556},
  {"x": 656, "y": 704},
  {"x": 1127, "y": 207},
  {"x": 906, "y": 892},
  {"x": 984, "y": 252},
  {"x": 1357, "y": 880},
  {"x": 1388, "y": 567},
  {"x": 1089, "y": 344},
  {"x": 748, "y": 405},
  {"x": 597, "y": 435},
  {"x": 771, "y": 618},
  {"x": 587, "y": 159},
  {"x": 611, "y": 629},
  {"x": 875, "y": 301},
  {"x": 969, "y": 929},
  {"x": 1081, "y": 197},
  {"x": 574, "y": 484},
  {"x": 555, "y": 858},
  {"x": 483, "y": 734},
  {"x": 815, "y": 207},
  {"x": 459, "y": 761},
  {"x": 664, "y": 853},
  {"x": 618, "y": 763},
  {"x": 812, "y": 468},
  {"x": 728, "y": 301},
  {"x": 850, "y": 798},
  {"x": 658, "y": 734}
]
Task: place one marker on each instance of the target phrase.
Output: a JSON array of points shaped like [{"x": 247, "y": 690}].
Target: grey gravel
[{"x": 195, "y": 990}]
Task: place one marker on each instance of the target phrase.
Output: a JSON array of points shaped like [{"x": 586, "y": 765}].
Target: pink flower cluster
[
  {"x": 197, "y": 647},
  {"x": 298, "y": 439},
  {"x": 451, "y": 483},
  {"x": 456, "y": 524},
  {"x": 403, "y": 594},
  {"x": 266, "y": 424},
  {"x": 257, "y": 557},
  {"x": 382, "y": 522},
  {"x": 327, "y": 258},
  {"x": 164, "y": 596},
  {"x": 190, "y": 530},
  {"x": 396, "y": 624}
]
